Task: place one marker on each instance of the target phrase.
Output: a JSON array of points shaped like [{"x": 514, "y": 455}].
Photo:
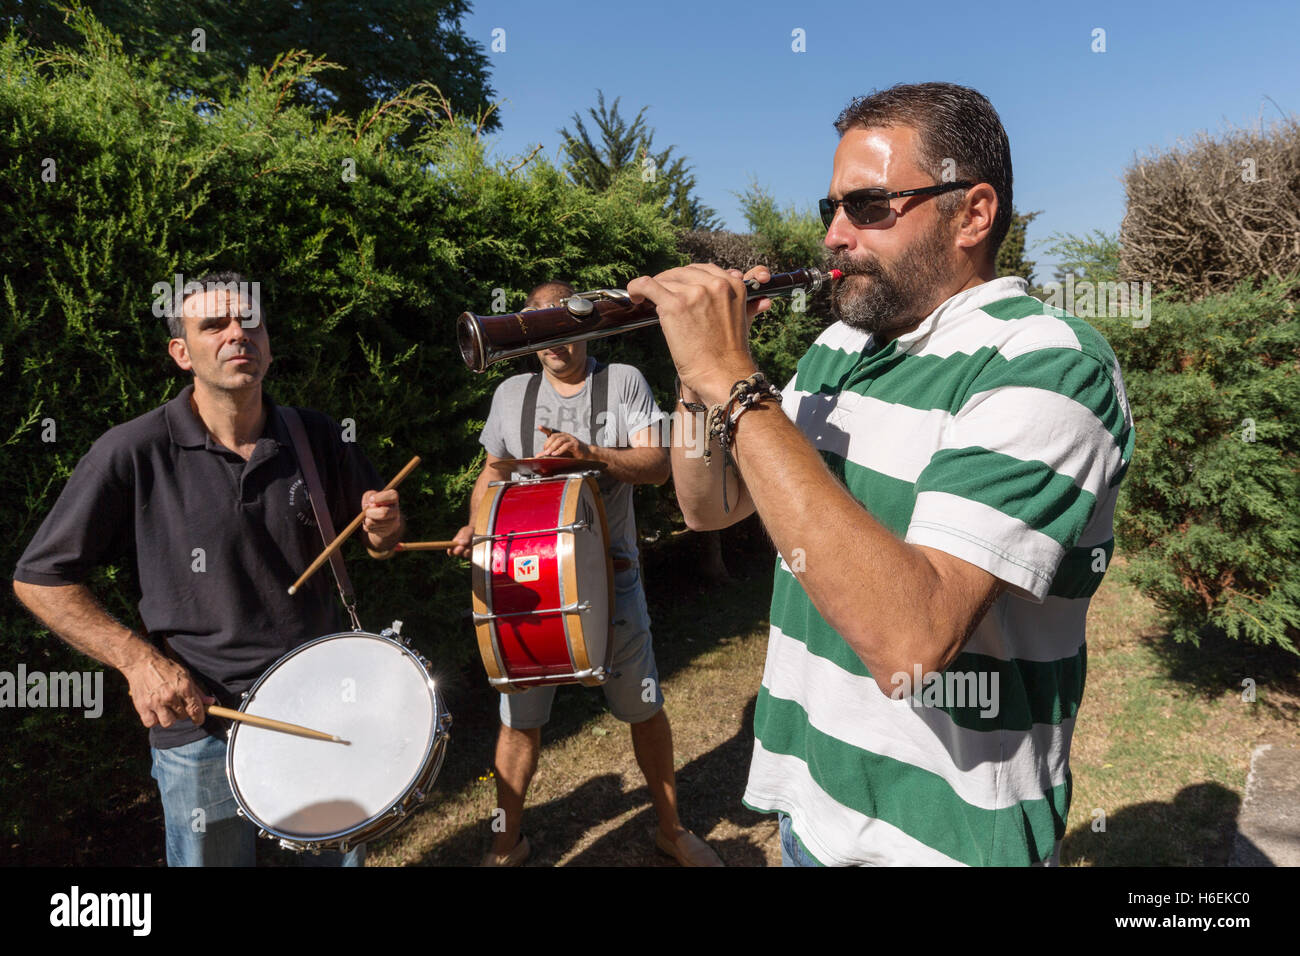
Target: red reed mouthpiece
[{"x": 836, "y": 274}]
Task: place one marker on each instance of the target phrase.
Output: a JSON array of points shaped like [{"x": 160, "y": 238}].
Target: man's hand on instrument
[
  {"x": 164, "y": 693},
  {"x": 464, "y": 542},
  {"x": 705, "y": 319},
  {"x": 383, "y": 518},
  {"x": 563, "y": 445}
]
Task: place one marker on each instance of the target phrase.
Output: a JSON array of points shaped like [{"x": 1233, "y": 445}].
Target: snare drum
[
  {"x": 543, "y": 583},
  {"x": 371, "y": 691}
]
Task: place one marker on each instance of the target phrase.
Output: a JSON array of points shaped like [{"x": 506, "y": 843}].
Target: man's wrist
[
  {"x": 386, "y": 542},
  {"x": 136, "y": 651},
  {"x": 716, "y": 389}
]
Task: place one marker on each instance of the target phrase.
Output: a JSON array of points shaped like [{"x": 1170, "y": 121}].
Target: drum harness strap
[
  {"x": 599, "y": 405},
  {"x": 316, "y": 493},
  {"x": 599, "y": 408}
]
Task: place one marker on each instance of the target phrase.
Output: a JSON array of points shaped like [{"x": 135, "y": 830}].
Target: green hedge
[
  {"x": 1207, "y": 515},
  {"x": 362, "y": 281}
]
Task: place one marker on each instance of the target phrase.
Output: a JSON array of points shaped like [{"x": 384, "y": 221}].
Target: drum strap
[
  {"x": 528, "y": 418},
  {"x": 319, "y": 506}
]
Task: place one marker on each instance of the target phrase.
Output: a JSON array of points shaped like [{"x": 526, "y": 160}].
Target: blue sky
[{"x": 726, "y": 88}]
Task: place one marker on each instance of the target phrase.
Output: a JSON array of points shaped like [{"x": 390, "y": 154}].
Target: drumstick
[
  {"x": 424, "y": 545},
  {"x": 270, "y": 724},
  {"x": 347, "y": 532}
]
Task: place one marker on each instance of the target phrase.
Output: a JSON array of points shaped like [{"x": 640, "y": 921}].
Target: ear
[
  {"x": 977, "y": 214},
  {"x": 180, "y": 354}
]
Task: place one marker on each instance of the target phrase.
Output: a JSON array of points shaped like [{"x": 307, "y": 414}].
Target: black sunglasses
[{"x": 865, "y": 206}]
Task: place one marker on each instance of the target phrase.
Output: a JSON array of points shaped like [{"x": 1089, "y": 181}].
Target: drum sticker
[{"x": 526, "y": 568}]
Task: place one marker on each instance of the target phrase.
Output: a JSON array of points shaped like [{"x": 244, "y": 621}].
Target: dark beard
[{"x": 897, "y": 296}]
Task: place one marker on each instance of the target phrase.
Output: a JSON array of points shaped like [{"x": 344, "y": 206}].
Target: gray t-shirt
[{"x": 631, "y": 407}]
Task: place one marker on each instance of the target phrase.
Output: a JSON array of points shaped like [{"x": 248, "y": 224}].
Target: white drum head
[{"x": 364, "y": 688}]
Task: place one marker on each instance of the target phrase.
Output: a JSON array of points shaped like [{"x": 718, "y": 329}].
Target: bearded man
[{"x": 941, "y": 490}]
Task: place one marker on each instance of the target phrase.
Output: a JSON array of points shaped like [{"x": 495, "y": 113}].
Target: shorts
[{"x": 633, "y": 695}]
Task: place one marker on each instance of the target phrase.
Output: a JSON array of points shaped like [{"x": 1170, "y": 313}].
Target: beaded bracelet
[{"x": 745, "y": 394}]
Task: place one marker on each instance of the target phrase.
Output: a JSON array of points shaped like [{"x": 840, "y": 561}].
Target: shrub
[
  {"x": 1205, "y": 216},
  {"x": 1206, "y": 515},
  {"x": 362, "y": 279}
]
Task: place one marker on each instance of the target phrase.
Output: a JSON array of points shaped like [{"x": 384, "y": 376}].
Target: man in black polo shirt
[{"x": 206, "y": 494}]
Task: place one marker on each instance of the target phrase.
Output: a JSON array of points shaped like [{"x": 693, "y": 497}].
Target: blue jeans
[
  {"x": 202, "y": 828},
  {"x": 792, "y": 853}
]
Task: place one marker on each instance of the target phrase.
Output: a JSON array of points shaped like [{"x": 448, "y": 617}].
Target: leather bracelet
[{"x": 745, "y": 394}]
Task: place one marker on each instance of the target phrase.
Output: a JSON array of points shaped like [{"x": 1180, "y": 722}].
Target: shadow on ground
[
  {"x": 1158, "y": 834},
  {"x": 1219, "y": 662},
  {"x": 709, "y": 788}
]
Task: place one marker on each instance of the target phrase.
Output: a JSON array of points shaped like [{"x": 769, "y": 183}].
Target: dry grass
[
  {"x": 1162, "y": 745},
  {"x": 1163, "y": 740},
  {"x": 588, "y": 804}
]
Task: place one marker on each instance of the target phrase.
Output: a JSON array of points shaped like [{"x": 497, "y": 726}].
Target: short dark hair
[
  {"x": 535, "y": 296},
  {"x": 176, "y": 320},
  {"x": 952, "y": 122}
]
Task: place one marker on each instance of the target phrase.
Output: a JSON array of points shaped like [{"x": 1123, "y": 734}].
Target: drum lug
[
  {"x": 394, "y": 632},
  {"x": 572, "y": 608},
  {"x": 239, "y": 811}
]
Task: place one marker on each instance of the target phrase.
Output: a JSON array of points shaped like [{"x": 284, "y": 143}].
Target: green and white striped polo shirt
[{"x": 997, "y": 431}]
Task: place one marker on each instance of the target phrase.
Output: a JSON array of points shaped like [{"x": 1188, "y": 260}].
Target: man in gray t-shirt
[{"x": 583, "y": 410}]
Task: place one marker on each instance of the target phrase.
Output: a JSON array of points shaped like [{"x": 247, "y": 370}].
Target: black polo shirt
[{"x": 216, "y": 540}]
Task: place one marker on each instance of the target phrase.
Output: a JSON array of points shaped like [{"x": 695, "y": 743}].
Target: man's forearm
[
  {"x": 72, "y": 612},
  {"x": 480, "y": 489},
  {"x": 878, "y": 592},
  {"x": 698, "y": 485},
  {"x": 635, "y": 466}
]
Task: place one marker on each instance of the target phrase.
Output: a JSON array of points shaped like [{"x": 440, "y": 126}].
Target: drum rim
[
  {"x": 608, "y": 662},
  {"x": 324, "y": 840},
  {"x": 489, "y": 640},
  {"x": 488, "y": 633}
]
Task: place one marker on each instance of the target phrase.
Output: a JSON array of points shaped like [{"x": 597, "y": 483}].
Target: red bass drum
[{"x": 543, "y": 583}]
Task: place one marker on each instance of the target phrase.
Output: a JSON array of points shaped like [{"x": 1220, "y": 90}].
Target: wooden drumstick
[
  {"x": 424, "y": 545},
  {"x": 347, "y": 532},
  {"x": 269, "y": 724}
]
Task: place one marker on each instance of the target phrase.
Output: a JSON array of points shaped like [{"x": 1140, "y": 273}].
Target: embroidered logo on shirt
[{"x": 300, "y": 504}]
